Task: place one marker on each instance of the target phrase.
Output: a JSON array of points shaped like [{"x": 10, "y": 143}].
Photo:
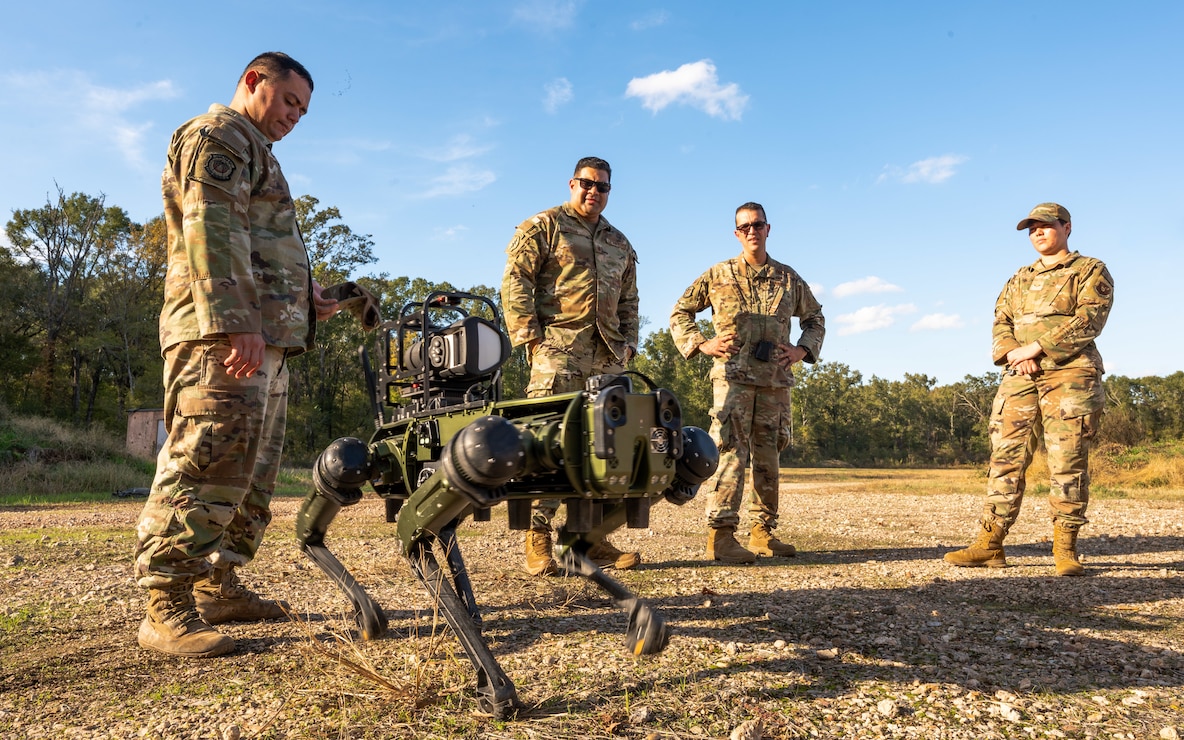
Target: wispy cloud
[
  {"x": 817, "y": 289},
  {"x": 458, "y": 147},
  {"x": 869, "y": 284},
  {"x": 929, "y": 171},
  {"x": 93, "y": 112},
  {"x": 458, "y": 180},
  {"x": 548, "y": 15},
  {"x": 558, "y": 93},
  {"x": 652, "y": 19},
  {"x": 871, "y": 318},
  {"x": 448, "y": 233},
  {"x": 695, "y": 84},
  {"x": 937, "y": 322}
]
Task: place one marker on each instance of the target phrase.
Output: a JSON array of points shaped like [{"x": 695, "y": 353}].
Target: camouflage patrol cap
[{"x": 1045, "y": 213}]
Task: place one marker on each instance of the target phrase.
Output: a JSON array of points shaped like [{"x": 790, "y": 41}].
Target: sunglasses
[
  {"x": 758, "y": 225},
  {"x": 601, "y": 187}
]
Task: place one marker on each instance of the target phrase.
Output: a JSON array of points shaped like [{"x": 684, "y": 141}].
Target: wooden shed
[{"x": 145, "y": 432}]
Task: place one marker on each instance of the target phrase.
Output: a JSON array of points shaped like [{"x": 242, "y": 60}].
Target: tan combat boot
[
  {"x": 221, "y": 597},
  {"x": 722, "y": 546},
  {"x": 173, "y": 626},
  {"x": 762, "y": 541},
  {"x": 1064, "y": 550},
  {"x": 987, "y": 549},
  {"x": 605, "y": 555},
  {"x": 540, "y": 555}
]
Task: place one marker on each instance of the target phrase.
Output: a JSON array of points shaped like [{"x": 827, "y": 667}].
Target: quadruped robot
[{"x": 446, "y": 446}]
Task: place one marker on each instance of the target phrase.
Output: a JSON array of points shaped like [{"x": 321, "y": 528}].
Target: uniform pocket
[
  {"x": 216, "y": 427},
  {"x": 722, "y": 429},
  {"x": 1081, "y": 397},
  {"x": 783, "y": 430}
]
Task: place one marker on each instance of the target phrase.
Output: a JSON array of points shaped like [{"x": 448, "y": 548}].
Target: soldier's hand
[
  {"x": 788, "y": 354},
  {"x": 324, "y": 307},
  {"x": 1030, "y": 351},
  {"x": 1024, "y": 367},
  {"x": 721, "y": 345},
  {"x": 246, "y": 354}
]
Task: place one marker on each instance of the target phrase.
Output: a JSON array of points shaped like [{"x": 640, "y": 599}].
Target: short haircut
[
  {"x": 750, "y": 206},
  {"x": 595, "y": 163},
  {"x": 279, "y": 65}
]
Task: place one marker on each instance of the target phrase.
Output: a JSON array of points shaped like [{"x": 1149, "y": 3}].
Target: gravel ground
[{"x": 866, "y": 634}]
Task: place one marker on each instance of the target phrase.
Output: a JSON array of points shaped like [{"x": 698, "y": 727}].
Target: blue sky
[{"x": 894, "y": 145}]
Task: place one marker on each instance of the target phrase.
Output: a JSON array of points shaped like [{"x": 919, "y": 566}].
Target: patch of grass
[{"x": 12, "y": 621}]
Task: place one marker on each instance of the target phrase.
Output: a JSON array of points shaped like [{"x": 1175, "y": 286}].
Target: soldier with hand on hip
[{"x": 752, "y": 298}]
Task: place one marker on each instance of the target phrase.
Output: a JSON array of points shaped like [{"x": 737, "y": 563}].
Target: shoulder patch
[{"x": 219, "y": 166}]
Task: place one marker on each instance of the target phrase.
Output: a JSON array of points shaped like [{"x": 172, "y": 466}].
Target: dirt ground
[{"x": 866, "y": 634}]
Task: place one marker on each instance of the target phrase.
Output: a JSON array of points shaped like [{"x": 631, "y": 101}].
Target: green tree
[
  {"x": 20, "y": 283},
  {"x": 660, "y": 360},
  {"x": 325, "y": 400},
  {"x": 830, "y": 421},
  {"x": 70, "y": 242}
]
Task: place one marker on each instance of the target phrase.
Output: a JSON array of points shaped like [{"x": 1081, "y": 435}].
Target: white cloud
[
  {"x": 695, "y": 84},
  {"x": 871, "y": 318},
  {"x": 558, "y": 93},
  {"x": 548, "y": 15},
  {"x": 651, "y": 20},
  {"x": 458, "y": 148},
  {"x": 817, "y": 289},
  {"x": 869, "y": 284},
  {"x": 459, "y": 180},
  {"x": 929, "y": 171},
  {"x": 449, "y": 233},
  {"x": 92, "y": 112},
  {"x": 937, "y": 322}
]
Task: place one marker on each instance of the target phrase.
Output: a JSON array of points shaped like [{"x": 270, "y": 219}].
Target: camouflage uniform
[
  {"x": 237, "y": 264},
  {"x": 574, "y": 287},
  {"x": 1062, "y": 307},
  {"x": 751, "y": 411}
]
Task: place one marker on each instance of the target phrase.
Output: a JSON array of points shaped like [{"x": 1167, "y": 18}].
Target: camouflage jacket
[
  {"x": 237, "y": 262},
  {"x": 757, "y": 304},
  {"x": 565, "y": 282},
  {"x": 1062, "y": 307}
]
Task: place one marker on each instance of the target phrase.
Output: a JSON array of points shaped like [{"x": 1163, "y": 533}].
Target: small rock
[
  {"x": 231, "y": 732},
  {"x": 640, "y": 715},
  {"x": 1009, "y": 713},
  {"x": 749, "y": 730},
  {"x": 887, "y": 707},
  {"x": 1169, "y": 733}
]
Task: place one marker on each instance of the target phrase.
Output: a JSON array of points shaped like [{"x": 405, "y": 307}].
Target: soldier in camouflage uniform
[
  {"x": 1046, "y": 321},
  {"x": 569, "y": 294},
  {"x": 239, "y": 300},
  {"x": 752, "y": 299}
]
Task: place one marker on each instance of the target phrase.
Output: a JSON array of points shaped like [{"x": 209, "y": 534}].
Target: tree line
[{"x": 80, "y": 292}]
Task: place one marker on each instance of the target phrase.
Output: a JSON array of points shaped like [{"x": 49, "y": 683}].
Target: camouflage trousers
[
  {"x": 747, "y": 422},
  {"x": 552, "y": 371},
  {"x": 1065, "y": 406},
  {"x": 211, "y": 499}
]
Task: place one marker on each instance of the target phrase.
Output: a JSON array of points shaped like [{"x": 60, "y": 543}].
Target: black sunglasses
[
  {"x": 601, "y": 187},
  {"x": 758, "y": 225}
]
